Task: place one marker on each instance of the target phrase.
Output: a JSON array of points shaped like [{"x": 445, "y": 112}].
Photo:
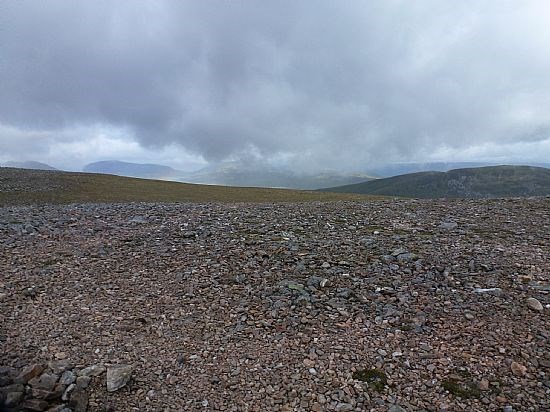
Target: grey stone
[
  {"x": 67, "y": 393},
  {"x": 448, "y": 225},
  {"x": 138, "y": 219},
  {"x": 45, "y": 382},
  {"x": 118, "y": 376},
  {"x": 83, "y": 381},
  {"x": 67, "y": 378},
  {"x": 79, "y": 400},
  {"x": 534, "y": 304},
  {"x": 5, "y": 380},
  {"x": 406, "y": 257},
  {"x": 489, "y": 291},
  {"x": 13, "y": 399},
  {"x": 94, "y": 370},
  {"x": 60, "y": 366},
  {"x": 16, "y": 387},
  {"x": 36, "y": 405},
  {"x": 396, "y": 408}
]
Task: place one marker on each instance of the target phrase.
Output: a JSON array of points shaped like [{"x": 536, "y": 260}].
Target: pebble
[
  {"x": 343, "y": 407},
  {"x": 489, "y": 291},
  {"x": 484, "y": 384},
  {"x": 534, "y": 304},
  {"x": 518, "y": 369}
]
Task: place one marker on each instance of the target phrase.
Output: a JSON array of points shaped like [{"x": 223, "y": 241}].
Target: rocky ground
[{"x": 388, "y": 305}]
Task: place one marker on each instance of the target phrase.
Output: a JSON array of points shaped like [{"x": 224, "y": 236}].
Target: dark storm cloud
[{"x": 325, "y": 82}]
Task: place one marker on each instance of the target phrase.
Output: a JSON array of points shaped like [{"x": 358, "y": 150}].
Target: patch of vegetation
[
  {"x": 464, "y": 390},
  {"x": 50, "y": 262},
  {"x": 373, "y": 377}
]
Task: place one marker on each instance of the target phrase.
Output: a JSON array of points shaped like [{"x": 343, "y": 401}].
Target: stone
[
  {"x": 343, "y": 407},
  {"x": 67, "y": 378},
  {"x": 118, "y": 376},
  {"x": 13, "y": 399},
  {"x": 484, "y": 384},
  {"x": 448, "y": 225},
  {"x": 79, "y": 400},
  {"x": 59, "y": 408},
  {"x": 55, "y": 393},
  {"x": 396, "y": 408},
  {"x": 489, "y": 291},
  {"x": 83, "y": 381},
  {"x": 5, "y": 380},
  {"x": 316, "y": 407},
  {"x": 45, "y": 382},
  {"x": 66, "y": 395},
  {"x": 37, "y": 405},
  {"x": 28, "y": 373},
  {"x": 60, "y": 366},
  {"x": 94, "y": 370},
  {"x": 534, "y": 304},
  {"x": 518, "y": 369},
  {"x": 138, "y": 219}
]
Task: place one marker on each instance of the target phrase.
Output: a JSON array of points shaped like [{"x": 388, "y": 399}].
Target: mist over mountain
[
  {"x": 232, "y": 174},
  {"x": 257, "y": 174},
  {"x": 143, "y": 170},
  {"x": 482, "y": 182}
]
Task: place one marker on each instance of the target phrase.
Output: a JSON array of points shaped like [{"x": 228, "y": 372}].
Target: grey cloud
[{"x": 325, "y": 83}]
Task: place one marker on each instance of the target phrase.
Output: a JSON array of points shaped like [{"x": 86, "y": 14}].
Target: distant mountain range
[
  {"x": 254, "y": 174},
  {"x": 143, "y": 170},
  {"x": 466, "y": 181},
  {"x": 481, "y": 182},
  {"x": 29, "y": 164}
]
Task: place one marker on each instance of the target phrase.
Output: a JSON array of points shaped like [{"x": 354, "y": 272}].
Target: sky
[{"x": 306, "y": 84}]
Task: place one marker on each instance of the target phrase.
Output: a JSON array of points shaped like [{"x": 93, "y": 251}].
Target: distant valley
[
  {"x": 472, "y": 182},
  {"x": 231, "y": 174}
]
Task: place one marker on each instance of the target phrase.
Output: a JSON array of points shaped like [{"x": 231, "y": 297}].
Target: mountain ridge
[
  {"x": 28, "y": 164},
  {"x": 482, "y": 182}
]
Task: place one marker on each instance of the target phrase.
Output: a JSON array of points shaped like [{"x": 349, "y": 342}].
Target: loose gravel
[{"x": 388, "y": 305}]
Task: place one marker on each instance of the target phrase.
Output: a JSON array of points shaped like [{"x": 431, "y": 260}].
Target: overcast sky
[{"x": 315, "y": 84}]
